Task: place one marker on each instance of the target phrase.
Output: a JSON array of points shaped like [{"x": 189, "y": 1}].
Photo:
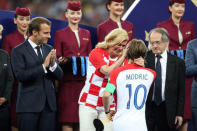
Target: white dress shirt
[
  {"x": 163, "y": 61},
  {"x": 119, "y": 25},
  {"x": 180, "y": 36},
  {"x": 77, "y": 37}
]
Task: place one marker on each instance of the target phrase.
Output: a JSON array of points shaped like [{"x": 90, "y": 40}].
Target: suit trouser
[
  {"x": 37, "y": 121},
  {"x": 157, "y": 120},
  {"x": 4, "y": 118}
]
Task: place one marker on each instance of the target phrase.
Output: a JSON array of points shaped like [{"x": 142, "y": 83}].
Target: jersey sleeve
[
  {"x": 96, "y": 57},
  {"x": 154, "y": 74},
  {"x": 111, "y": 85}
]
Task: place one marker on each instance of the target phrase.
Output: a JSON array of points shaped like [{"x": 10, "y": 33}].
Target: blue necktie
[{"x": 158, "y": 82}]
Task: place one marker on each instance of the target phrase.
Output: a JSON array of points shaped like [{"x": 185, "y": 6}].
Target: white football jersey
[{"x": 132, "y": 84}]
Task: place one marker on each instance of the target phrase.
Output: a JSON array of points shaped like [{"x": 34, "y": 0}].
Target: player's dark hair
[{"x": 137, "y": 49}]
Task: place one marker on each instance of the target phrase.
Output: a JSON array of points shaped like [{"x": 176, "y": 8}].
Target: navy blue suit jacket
[
  {"x": 191, "y": 68},
  {"x": 35, "y": 86}
]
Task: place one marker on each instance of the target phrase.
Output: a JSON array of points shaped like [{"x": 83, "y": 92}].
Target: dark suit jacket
[
  {"x": 6, "y": 75},
  {"x": 174, "y": 86},
  {"x": 35, "y": 86},
  {"x": 191, "y": 68}
]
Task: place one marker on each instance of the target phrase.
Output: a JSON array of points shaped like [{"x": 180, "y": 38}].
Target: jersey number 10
[{"x": 138, "y": 107}]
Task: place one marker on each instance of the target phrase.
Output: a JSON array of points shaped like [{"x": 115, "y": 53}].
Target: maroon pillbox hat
[
  {"x": 22, "y": 11},
  {"x": 178, "y": 1},
  {"x": 74, "y": 5}
]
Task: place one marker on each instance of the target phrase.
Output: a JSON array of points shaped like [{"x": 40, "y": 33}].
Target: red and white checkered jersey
[
  {"x": 92, "y": 93},
  {"x": 132, "y": 84}
]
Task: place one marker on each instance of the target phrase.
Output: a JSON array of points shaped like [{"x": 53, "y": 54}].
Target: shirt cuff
[
  {"x": 45, "y": 70},
  {"x": 52, "y": 68}
]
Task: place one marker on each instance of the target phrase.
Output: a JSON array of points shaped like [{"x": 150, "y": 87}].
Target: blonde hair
[{"x": 115, "y": 37}]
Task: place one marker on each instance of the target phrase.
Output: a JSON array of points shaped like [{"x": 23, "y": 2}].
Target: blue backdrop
[
  {"x": 6, "y": 19},
  {"x": 147, "y": 13},
  {"x": 144, "y": 14}
]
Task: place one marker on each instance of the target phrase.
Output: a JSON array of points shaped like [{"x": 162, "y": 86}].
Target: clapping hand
[
  {"x": 53, "y": 57},
  {"x": 50, "y": 59}
]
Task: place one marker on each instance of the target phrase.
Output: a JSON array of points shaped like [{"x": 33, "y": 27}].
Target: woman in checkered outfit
[{"x": 107, "y": 56}]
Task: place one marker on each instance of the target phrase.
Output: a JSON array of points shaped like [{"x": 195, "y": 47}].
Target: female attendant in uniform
[
  {"x": 71, "y": 41},
  {"x": 107, "y": 56},
  {"x": 181, "y": 32},
  {"x": 116, "y": 9},
  {"x": 22, "y": 20}
]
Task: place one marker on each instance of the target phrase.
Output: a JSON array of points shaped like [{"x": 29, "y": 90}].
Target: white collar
[
  {"x": 34, "y": 45},
  {"x": 164, "y": 55}
]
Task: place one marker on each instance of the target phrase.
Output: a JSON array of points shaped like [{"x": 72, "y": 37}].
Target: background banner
[
  {"x": 6, "y": 19},
  {"x": 145, "y": 14}
]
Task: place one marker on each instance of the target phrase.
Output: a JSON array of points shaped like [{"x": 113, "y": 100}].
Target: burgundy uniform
[
  {"x": 66, "y": 45},
  {"x": 188, "y": 32},
  {"x": 104, "y": 28},
  {"x": 12, "y": 40},
  {"x": 187, "y": 29}
]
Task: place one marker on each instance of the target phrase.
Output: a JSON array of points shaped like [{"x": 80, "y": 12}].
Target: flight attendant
[
  {"x": 181, "y": 32},
  {"x": 71, "y": 41},
  {"x": 116, "y": 10},
  {"x": 22, "y": 20}
]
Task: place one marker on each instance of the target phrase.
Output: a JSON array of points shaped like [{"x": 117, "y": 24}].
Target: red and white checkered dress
[{"x": 92, "y": 93}]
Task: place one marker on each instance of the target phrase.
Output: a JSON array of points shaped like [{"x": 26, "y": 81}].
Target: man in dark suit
[
  {"x": 165, "y": 103},
  {"x": 35, "y": 68},
  {"x": 6, "y": 82}
]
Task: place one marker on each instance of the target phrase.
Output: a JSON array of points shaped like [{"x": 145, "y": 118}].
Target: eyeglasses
[{"x": 155, "y": 42}]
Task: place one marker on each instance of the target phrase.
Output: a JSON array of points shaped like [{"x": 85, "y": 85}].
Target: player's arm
[{"x": 110, "y": 88}]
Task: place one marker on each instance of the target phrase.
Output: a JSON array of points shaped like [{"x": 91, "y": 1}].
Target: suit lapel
[
  {"x": 31, "y": 50},
  {"x": 151, "y": 60},
  {"x": 169, "y": 68},
  {"x": 44, "y": 51}
]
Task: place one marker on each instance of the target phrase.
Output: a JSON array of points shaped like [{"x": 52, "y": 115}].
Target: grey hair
[{"x": 164, "y": 34}]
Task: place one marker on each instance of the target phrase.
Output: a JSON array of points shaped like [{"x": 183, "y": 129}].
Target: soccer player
[{"x": 132, "y": 83}]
